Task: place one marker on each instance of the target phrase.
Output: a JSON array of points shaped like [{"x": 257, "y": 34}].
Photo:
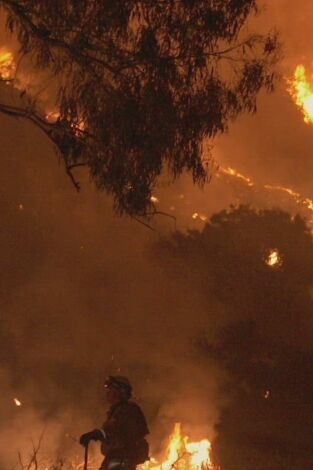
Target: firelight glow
[
  {"x": 297, "y": 197},
  {"x": 7, "y": 64},
  {"x": 274, "y": 259},
  {"x": 183, "y": 455},
  {"x": 232, "y": 172},
  {"x": 301, "y": 90}
]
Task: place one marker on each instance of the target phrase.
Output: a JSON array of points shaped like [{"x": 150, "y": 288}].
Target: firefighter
[{"x": 122, "y": 435}]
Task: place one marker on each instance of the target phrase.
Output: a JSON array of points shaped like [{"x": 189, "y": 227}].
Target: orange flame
[
  {"x": 301, "y": 91},
  {"x": 183, "y": 455},
  {"x": 297, "y": 197},
  {"x": 232, "y": 172},
  {"x": 274, "y": 259},
  {"x": 304, "y": 201},
  {"x": 7, "y": 64},
  {"x": 17, "y": 402},
  {"x": 202, "y": 217},
  {"x": 52, "y": 116}
]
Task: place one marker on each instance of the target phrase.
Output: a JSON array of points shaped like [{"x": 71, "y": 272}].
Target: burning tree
[{"x": 138, "y": 84}]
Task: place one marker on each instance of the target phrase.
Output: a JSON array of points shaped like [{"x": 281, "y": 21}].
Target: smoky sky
[{"x": 81, "y": 296}]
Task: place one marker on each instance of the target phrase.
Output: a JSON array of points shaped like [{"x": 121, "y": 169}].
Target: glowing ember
[
  {"x": 202, "y": 217},
  {"x": 7, "y": 64},
  {"x": 17, "y": 402},
  {"x": 301, "y": 91},
  {"x": 183, "y": 455},
  {"x": 154, "y": 199},
  {"x": 274, "y": 259},
  {"x": 54, "y": 116}
]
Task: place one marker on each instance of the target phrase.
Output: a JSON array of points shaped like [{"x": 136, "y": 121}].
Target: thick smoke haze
[
  {"x": 81, "y": 295},
  {"x": 82, "y": 298}
]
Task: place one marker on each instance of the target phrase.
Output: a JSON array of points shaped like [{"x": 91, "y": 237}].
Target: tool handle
[{"x": 86, "y": 458}]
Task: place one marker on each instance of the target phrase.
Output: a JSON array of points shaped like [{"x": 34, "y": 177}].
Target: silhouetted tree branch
[{"x": 141, "y": 83}]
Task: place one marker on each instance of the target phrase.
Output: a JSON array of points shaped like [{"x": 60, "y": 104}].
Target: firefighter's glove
[{"x": 94, "y": 435}]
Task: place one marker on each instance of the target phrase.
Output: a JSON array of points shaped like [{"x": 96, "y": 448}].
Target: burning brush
[
  {"x": 183, "y": 455},
  {"x": 301, "y": 90}
]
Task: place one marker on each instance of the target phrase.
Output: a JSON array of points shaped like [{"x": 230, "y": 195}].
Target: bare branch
[
  {"x": 20, "y": 461},
  {"x": 33, "y": 461},
  {"x": 47, "y": 128},
  {"x": 143, "y": 223},
  {"x": 72, "y": 178}
]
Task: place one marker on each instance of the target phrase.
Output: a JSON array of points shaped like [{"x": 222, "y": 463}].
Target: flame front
[
  {"x": 183, "y": 455},
  {"x": 232, "y": 172},
  {"x": 297, "y": 197},
  {"x": 302, "y": 92}
]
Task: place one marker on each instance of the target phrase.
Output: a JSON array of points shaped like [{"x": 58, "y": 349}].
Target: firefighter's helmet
[{"x": 118, "y": 381}]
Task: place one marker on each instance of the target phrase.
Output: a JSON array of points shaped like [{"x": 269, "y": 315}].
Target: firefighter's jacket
[{"x": 124, "y": 427}]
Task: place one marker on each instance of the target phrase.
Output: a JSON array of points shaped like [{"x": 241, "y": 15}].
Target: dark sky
[{"x": 82, "y": 297}]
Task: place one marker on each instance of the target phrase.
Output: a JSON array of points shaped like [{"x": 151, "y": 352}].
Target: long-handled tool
[{"x": 86, "y": 458}]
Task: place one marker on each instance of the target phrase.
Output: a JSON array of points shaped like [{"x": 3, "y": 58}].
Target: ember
[
  {"x": 17, "y": 402},
  {"x": 196, "y": 216},
  {"x": 274, "y": 259}
]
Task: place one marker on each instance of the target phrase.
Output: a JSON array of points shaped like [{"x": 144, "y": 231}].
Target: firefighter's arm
[{"x": 110, "y": 429}]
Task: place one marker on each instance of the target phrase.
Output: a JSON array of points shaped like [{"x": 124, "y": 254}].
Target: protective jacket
[{"x": 123, "y": 434}]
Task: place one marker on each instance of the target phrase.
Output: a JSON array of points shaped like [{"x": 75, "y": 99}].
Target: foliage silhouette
[
  {"x": 265, "y": 343},
  {"x": 141, "y": 83}
]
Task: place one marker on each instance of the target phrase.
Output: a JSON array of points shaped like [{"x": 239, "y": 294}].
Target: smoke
[{"x": 82, "y": 298}]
